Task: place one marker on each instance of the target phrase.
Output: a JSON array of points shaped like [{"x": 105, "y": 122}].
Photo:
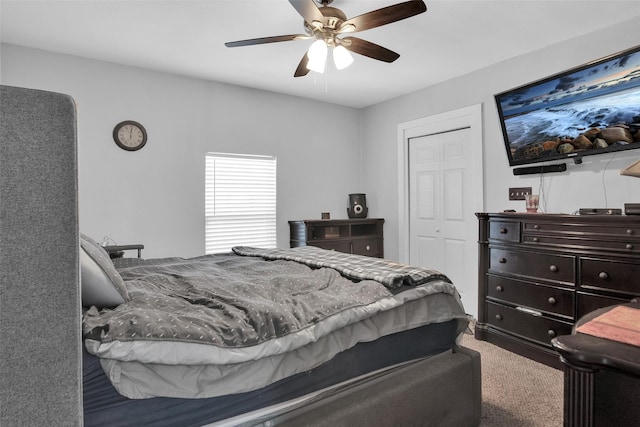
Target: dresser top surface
[
  {"x": 338, "y": 221},
  {"x": 567, "y": 218}
]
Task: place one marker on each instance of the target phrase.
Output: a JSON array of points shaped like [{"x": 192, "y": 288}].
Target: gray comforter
[
  {"x": 236, "y": 301},
  {"x": 356, "y": 267},
  {"x": 224, "y": 324}
]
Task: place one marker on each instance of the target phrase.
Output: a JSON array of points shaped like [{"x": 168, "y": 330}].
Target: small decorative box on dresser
[
  {"x": 353, "y": 236},
  {"x": 540, "y": 273}
]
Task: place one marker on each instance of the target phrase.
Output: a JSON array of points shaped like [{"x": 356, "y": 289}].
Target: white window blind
[{"x": 240, "y": 202}]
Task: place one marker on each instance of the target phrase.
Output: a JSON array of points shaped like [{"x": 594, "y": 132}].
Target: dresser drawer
[
  {"x": 339, "y": 245},
  {"x": 536, "y": 328},
  {"x": 556, "y": 267},
  {"x": 625, "y": 246},
  {"x": 504, "y": 230},
  {"x": 579, "y": 228},
  {"x": 614, "y": 276},
  {"x": 369, "y": 247},
  {"x": 539, "y": 297}
]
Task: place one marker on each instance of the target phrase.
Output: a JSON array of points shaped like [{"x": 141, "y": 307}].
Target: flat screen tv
[{"x": 591, "y": 109}]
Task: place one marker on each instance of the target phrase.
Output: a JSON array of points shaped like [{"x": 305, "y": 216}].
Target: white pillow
[{"x": 102, "y": 285}]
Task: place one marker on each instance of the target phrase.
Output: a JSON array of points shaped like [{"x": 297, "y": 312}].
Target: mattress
[{"x": 104, "y": 406}]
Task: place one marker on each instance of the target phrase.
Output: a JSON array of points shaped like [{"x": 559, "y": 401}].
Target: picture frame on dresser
[{"x": 540, "y": 273}]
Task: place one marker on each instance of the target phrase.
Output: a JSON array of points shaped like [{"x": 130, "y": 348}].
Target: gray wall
[
  {"x": 595, "y": 183},
  {"x": 155, "y": 196}
]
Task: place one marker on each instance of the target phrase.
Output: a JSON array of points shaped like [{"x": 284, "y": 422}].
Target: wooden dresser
[
  {"x": 540, "y": 273},
  {"x": 353, "y": 236}
]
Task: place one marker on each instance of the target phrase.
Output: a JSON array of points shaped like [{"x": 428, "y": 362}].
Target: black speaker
[
  {"x": 357, "y": 206},
  {"x": 559, "y": 167}
]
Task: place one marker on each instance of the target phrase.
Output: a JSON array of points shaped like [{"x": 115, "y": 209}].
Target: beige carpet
[{"x": 517, "y": 391}]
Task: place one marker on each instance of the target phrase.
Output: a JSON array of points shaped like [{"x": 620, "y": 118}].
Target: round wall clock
[{"x": 130, "y": 135}]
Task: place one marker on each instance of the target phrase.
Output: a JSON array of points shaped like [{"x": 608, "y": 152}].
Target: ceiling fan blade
[
  {"x": 308, "y": 10},
  {"x": 302, "y": 69},
  {"x": 369, "y": 49},
  {"x": 263, "y": 40},
  {"x": 383, "y": 16}
]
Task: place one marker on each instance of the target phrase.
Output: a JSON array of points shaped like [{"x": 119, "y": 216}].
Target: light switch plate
[{"x": 518, "y": 193}]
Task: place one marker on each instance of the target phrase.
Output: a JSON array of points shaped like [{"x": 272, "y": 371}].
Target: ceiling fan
[{"x": 326, "y": 23}]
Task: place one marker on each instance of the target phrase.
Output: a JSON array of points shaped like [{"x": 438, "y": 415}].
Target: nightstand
[
  {"x": 117, "y": 251},
  {"x": 602, "y": 378}
]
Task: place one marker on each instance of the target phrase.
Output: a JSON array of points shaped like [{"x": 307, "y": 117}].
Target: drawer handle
[
  {"x": 535, "y": 240},
  {"x": 498, "y": 316},
  {"x": 629, "y": 231},
  {"x": 603, "y": 275},
  {"x": 629, "y": 246},
  {"x": 502, "y": 260},
  {"x": 368, "y": 247},
  {"x": 536, "y": 226},
  {"x": 553, "y": 268},
  {"x": 552, "y": 301},
  {"x": 551, "y": 333},
  {"x": 503, "y": 231},
  {"x": 499, "y": 288}
]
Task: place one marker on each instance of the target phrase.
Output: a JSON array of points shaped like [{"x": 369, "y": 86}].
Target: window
[{"x": 240, "y": 201}]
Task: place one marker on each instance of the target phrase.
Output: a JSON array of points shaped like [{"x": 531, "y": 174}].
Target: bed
[
  {"x": 257, "y": 335},
  {"x": 410, "y": 376}
]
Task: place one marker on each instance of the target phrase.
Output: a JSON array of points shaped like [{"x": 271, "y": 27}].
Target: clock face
[{"x": 130, "y": 135}]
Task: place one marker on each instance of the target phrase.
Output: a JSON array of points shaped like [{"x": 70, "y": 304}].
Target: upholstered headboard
[{"x": 40, "y": 353}]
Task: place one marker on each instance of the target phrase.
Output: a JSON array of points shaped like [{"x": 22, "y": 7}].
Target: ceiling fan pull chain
[{"x": 326, "y": 78}]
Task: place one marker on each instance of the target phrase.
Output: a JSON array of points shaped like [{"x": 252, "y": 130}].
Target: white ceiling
[{"x": 452, "y": 38}]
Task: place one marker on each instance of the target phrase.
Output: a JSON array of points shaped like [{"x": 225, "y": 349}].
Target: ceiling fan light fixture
[
  {"x": 318, "y": 50},
  {"x": 317, "y": 56},
  {"x": 317, "y": 66},
  {"x": 347, "y": 28},
  {"x": 317, "y": 25},
  {"x": 325, "y": 23},
  {"x": 342, "y": 58}
]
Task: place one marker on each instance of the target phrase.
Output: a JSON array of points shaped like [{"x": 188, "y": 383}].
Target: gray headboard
[{"x": 40, "y": 353}]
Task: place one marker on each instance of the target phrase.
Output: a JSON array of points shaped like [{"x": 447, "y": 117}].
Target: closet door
[{"x": 442, "y": 224}]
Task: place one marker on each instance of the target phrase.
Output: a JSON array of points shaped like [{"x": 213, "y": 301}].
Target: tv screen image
[{"x": 587, "y": 110}]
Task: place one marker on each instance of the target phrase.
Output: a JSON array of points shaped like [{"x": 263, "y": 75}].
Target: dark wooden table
[
  {"x": 602, "y": 378},
  {"x": 117, "y": 251}
]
